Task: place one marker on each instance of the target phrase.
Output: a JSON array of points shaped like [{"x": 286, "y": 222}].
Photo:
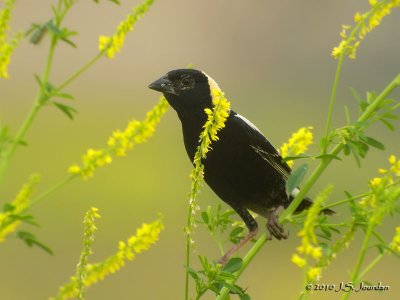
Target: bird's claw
[{"x": 275, "y": 229}]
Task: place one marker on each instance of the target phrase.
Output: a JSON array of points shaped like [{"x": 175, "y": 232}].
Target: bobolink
[{"x": 243, "y": 168}]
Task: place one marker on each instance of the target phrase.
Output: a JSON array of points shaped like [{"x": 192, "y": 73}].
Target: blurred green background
[{"x": 272, "y": 58}]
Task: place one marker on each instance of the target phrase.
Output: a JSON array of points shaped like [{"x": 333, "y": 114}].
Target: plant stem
[
  {"x": 364, "y": 247},
  {"x": 246, "y": 261},
  {"x": 332, "y": 99},
  {"x": 5, "y": 160},
  {"x": 337, "y": 203},
  {"x": 188, "y": 225},
  {"x": 52, "y": 189},
  {"x": 38, "y": 103},
  {"x": 80, "y": 71}
]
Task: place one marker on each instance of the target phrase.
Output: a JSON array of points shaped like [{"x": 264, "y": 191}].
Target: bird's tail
[{"x": 307, "y": 202}]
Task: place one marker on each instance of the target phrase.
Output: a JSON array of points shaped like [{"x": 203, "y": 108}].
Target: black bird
[{"x": 243, "y": 168}]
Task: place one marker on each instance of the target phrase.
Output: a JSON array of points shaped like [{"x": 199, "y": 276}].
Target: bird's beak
[{"x": 163, "y": 85}]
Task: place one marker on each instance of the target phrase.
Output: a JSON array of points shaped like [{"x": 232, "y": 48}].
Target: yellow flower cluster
[
  {"x": 8, "y": 222},
  {"x": 145, "y": 236},
  {"x": 121, "y": 141},
  {"x": 216, "y": 119},
  {"x": 385, "y": 191},
  {"x": 7, "y": 48},
  {"x": 395, "y": 244},
  {"x": 113, "y": 44},
  {"x": 297, "y": 144},
  {"x": 365, "y": 23},
  {"x": 309, "y": 247},
  {"x": 90, "y": 229}
]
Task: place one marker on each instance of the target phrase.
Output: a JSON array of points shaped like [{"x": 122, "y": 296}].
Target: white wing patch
[
  {"x": 295, "y": 192},
  {"x": 248, "y": 122}
]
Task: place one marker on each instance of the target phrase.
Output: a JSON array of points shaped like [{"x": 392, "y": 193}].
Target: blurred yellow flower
[
  {"x": 313, "y": 273},
  {"x": 7, "y": 47},
  {"x": 395, "y": 244},
  {"x": 113, "y": 44},
  {"x": 145, "y": 236},
  {"x": 298, "y": 261},
  {"x": 120, "y": 142},
  {"x": 365, "y": 23},
  {"x": 8, "y": 220},
  {"x": 297, "y": 144}
]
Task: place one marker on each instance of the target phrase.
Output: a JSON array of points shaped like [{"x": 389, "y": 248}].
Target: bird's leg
[
  {"x": 251, "y": 225},
  {"x": 274, "y": 227}
]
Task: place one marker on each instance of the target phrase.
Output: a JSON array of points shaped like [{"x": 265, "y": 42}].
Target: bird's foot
[
  {"x": 224, "y": 259},
  {"x": 274, "y": 228}
]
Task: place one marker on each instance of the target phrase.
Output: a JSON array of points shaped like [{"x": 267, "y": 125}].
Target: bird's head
[{"x": 187, "y": 90}]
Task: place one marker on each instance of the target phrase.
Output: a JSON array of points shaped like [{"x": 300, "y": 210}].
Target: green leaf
[
  {"x": 233, "y": 265},
  {"x": 204, "y": 216},
  {"x": 391, "y": 116},
  {"x": 244, "y": 297},
  {"x": 68, "y": 41},
  {"x": 371, "y": 96},
  {"x": 53, "y": 28},
  {"x": 296, "y": 178},
  {"x": 31, "y": 241},
  {"x": 38, "y": 34},
  {"x": 39, "y": 81},
  {"x": 387, "y": 124},
  {"x": 67, "y": 110},
  {"x": 28, "y": 219},
  {"x": 8, "y": 207},
  {"x": 236, "y": 235},
  {"x": 193, "y": 273},
  {"x": 65, "y": 96},
  {"x": 372, "y": 142}
]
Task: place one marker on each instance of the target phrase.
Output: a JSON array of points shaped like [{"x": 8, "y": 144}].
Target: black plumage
[{"x": 243, "y": 168}]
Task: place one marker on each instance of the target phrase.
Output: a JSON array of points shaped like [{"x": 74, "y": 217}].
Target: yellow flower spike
[
  {"x": 376, "y": 182},
  {"x": 395, "y": 244},
  {"x": 112, "y": 45},
  {"x": 120, "y": 142},
  {"x": 297, "y": 144},
  {"x": 313, "y": 273},
  {"x": 316, "y": 253},
  {"x": 216, "y": 118},
  {"x": 298, "y": 261},
  {"x": 365, "y": 23},
  {"x": 146, "y": 236},
  {"x": 7, "y": 47},
  {"x": 8, "y": 220},
  {"x": 309, "y": 243},
  {"x": 357, "y": 17}
]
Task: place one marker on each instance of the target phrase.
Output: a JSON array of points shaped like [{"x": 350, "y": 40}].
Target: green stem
[
  {"x": 189, "y": 220},
  {"x": 5, "y": 160},
  {"x": 337, "y": 203},
  {"x": 364, "y": 247},
  {"x": 246, "y": 261},
  {"x": 80, "y": 71},
  {"x": 372, "y": 264},
  {"x": 52, "y": 189},
  {"x": 332, "y": 99},
  {"x": 38, "y": 103}
]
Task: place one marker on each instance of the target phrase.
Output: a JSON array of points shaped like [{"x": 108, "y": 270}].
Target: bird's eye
[{"x": 186, "y": 83}]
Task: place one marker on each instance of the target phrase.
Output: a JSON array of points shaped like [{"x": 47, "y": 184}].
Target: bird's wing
[{"x": 259, "y": 143}]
